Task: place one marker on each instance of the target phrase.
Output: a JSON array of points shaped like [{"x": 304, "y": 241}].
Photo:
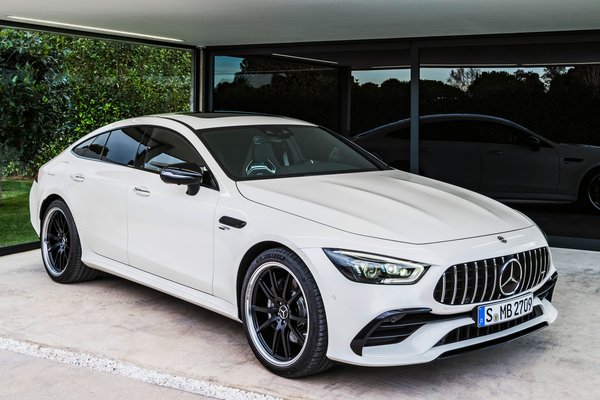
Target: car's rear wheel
[
  {"x": 283, "y": 315},
  {"x": 61, "y": 248}
]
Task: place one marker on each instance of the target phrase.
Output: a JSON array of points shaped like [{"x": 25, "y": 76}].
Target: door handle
[
  {"x": 141, "y": 191},
  {"x": 495, "y": 152},
  {"x": 77, "y": 177}
]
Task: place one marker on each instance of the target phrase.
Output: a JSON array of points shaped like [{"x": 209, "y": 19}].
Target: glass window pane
[
  {"x": 277, "y": 151},
  {"x": 266, "y": 84},
  {"x": 122, "y": 146},
  {"x": 164, "y": 147}
]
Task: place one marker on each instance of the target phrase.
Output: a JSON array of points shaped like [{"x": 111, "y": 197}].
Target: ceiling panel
[{"x": 239, "y": 22}]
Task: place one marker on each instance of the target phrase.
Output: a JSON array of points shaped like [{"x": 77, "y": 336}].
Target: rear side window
[
  {"x": 122, "y": 145},
  {"x": 162, "y": 147},
  {"x": 92, "y": 148}
]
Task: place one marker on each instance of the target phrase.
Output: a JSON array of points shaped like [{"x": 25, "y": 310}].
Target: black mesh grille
[
  {"x": 473, "y": 331},
  {"x": 479, "y": 281}
]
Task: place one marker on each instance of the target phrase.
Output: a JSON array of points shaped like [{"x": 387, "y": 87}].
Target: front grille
[
  {"x": 478, "y": 281},
  {"x": 473, "y": 331}
]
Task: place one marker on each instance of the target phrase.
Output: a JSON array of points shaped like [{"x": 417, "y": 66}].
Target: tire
[
  {"x": 61, "y": 248},
  {"x": 590, "y": 192},
  {"x": 283, "y": 315}
]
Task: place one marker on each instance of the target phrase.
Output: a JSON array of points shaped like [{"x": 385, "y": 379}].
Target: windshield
[{"x": 257, "y": 152}]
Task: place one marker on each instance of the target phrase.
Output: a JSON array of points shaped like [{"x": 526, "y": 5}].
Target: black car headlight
[{"x": 373, "y": 268}]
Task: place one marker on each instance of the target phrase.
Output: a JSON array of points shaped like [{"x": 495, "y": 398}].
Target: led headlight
[{"x": 373, "y": 268}]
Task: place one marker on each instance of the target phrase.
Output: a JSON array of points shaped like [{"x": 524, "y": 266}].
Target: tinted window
[
  {"x": 277, "y": 150},
  {"x": 163, "y": 147},
  {"x": 93, "y": 147},
  {"x": 82, "y": 149},
  {"x": 503, "y": 134},
  {"x": 122, "y": 145},
  {"x": 449, "y": 131}
]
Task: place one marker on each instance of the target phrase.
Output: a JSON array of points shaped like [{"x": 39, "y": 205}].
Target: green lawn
[{"x": 15, "y": 227}]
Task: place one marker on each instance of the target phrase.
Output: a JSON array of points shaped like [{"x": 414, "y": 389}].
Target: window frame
[{"x": 147, "y": 128}]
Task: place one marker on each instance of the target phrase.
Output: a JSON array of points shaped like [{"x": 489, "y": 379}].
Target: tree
[
  {"x": 34, "y": 96},
  {"x": 462, "y": 78}
]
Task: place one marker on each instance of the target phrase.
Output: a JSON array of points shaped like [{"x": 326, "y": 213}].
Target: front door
[{"x": 170, "y": 232}]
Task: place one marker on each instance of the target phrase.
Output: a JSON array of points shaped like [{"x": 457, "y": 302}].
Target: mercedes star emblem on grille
[{"x": 511, "y": 274}]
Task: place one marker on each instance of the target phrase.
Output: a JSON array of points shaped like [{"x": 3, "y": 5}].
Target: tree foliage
[
  {"x": 34, "y": 91},
  {"x": 55, "y": 88}
]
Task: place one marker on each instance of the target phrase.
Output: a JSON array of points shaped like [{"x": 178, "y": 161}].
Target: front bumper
[{"x": 435, "y": 329}]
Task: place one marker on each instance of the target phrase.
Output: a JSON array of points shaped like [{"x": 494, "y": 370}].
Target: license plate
[{"x": 492, "y": 314}]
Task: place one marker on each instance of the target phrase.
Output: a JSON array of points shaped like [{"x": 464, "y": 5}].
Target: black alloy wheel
[
  {"x": 284, "y": 316},
  {"x": 61, "y": 248},
  {"x": 593, "y": 192}
]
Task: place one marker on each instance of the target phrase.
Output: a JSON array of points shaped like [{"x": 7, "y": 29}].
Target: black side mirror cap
[{"x": 182, "y": 174}]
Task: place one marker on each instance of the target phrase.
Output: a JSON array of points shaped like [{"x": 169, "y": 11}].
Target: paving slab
[{"x": 111, "y": 317}]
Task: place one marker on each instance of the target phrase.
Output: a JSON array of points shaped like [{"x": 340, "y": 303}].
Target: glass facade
[
  {"x": 379, "y": 97},
  {"x": 272, "y": 85},
  {"x": 55, "y": 89},
  {"x": 527, "y": 136}
]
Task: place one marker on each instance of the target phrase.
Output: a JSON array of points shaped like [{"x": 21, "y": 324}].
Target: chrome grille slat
[
  {"x": 475, "y": 286},
  {"x": 466, "y": 284},
  {"x": 485, "y": 269},
  {"x": 460, "y": 283},
  {"x": 443, "y": 287},
  {"x": 455, "y": 285},
  {"x": 495, "y": 279}
]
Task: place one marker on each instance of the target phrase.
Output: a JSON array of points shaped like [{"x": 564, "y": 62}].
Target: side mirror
[
  {"x": 534, "y": 143},
  {"x": 183, "y": 174}
]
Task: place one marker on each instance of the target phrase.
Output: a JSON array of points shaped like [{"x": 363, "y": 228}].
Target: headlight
[{"x": 373, "y": 268}]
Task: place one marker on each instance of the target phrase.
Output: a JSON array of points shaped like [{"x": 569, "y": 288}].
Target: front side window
[
  {"x": 162, "y": 147},
  {"x": 254, "y": 152},
  {"x": 122, "y": 145},
  {"x": 449, "y": 131},
  {"x": 503, "y": 134}
]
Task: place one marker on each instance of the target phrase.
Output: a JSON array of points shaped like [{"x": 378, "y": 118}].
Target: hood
[{"x": 391, "y": 205}]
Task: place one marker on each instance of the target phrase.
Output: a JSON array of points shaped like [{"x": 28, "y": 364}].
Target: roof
[{"x": 199, "y": 120}]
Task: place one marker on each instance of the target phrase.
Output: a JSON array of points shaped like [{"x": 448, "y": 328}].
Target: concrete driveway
[{"x": 132, "y": 328}]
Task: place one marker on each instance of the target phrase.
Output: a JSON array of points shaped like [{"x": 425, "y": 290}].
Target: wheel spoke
[
  {"x": 266, "y": 323},
  {"x": 286, "y": 343},
  {"x": 265, "y": 310},
  {"x": 54, "y": 224},
  {"x": 297, "y": 334},
  {"x": 54, "y": 246},
  {"x": 294, "y": 297},
  {"x": 286, "y": 285},
  {"x": 273, "y": 279},
  {"x": 266, "y": 290},
  {"x": 53, "y": 237},
  {"x": 298, "y": 319},
  {"x": 274, "y": 343}
]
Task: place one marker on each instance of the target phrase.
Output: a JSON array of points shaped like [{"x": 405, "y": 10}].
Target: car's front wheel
[
  {"x": 283, "y": 315},
  {"x": 61, "y": 248},
  {"x": 591, "y": 191}
]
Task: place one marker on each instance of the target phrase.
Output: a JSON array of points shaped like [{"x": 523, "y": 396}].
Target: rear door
[
  {"x": 97, "y": 182},
  {"x": 512, "y": 166}
]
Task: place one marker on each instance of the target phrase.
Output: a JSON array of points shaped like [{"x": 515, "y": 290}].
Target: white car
[
  {"x": 322, "y": 251},
  {"x": 493, "y": 156}
]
